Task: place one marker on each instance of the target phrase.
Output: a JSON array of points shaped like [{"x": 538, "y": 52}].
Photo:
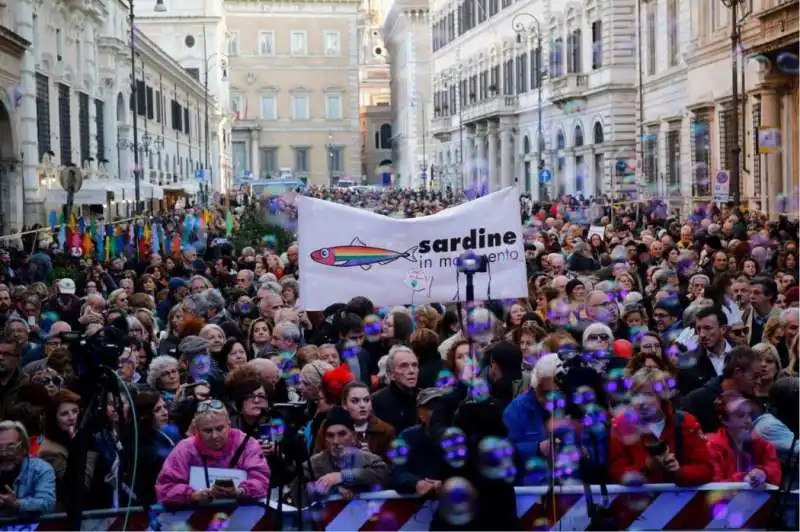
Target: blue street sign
[
  {"x": 545, "y": 175},
  {"x": 199, "y": 174},
  {"x": 622, "y": 165}
]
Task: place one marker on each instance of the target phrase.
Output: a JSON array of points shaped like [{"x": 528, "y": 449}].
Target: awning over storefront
[
  {"x": 189, "y": 187},
  {"x": 151, "y": 191},
  {"x": 93, "y": 192}
]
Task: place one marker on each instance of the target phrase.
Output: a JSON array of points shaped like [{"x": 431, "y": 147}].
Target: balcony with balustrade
[
  {"x": 493, "y": 107},
  {"x": 568, "y": 87}
]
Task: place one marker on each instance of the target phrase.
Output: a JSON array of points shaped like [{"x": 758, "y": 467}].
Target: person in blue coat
[{"x": 526, "y": 416}]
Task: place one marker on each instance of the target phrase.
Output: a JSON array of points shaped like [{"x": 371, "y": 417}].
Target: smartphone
[
  {"x": 656, "y": 448},
  {"x": 264, "y": 433},
  {"x": 31, "y": 321},
  {"x": 224, "y": 483}
]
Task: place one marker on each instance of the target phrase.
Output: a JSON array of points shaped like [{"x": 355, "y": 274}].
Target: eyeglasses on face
[
  {"x": 10, "y": 448},
  {"x": 47, "y": 381},
  {"x": 598, "y": 338},
  {"x": 214, "y": 405},
  {"x": 258, "y": 397}
]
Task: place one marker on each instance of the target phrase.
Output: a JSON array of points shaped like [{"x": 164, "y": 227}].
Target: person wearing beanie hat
[
  {"x": 576, "y": 290},
  {"x": 178, "y": 288},
  {"x": 343, "y": 467}
]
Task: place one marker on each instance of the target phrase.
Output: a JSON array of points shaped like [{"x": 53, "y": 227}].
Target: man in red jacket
[{"x": 650, "y": 442}]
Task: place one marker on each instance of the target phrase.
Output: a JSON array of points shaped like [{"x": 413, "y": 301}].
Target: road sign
[
  {"x": 199, "y": 174},
  {"x": 722, "y": 186},
  {"x": 545, "y": 175}
]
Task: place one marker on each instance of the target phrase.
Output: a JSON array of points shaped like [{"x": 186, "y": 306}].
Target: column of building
[
  {"x": 27, "y": 131},
  {"x": 506, "y": 155},
  {"x": 771, "y": 116},
  {"x": 481, "y": 172},
  {"x": 491, "y": 161},
  {"x": 255, "y": 155}
]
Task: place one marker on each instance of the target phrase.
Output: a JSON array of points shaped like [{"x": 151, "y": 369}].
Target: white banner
[{"x": 347, "y": 252}]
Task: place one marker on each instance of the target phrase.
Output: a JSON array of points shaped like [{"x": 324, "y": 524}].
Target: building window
[
  {"x": 494, "y": 7},
  {"x": 333, "y": 43},
  {"x": 672, "y": 32},
  {"x": 83, "y": 127},
  {"x": 59, "y": 45},
  {"x": 597, "y": 44},
  {"x": 574, "y": 52},
  {"x": 233, "y": 43},
  {"x": 43, "y": 114},
  {"x": 269, "y": 162},
  {"x": 557, "y": 58},
  {"x": 536, "y": 68},
  {"x": 150, "y": 105},
  {"x": 650, "y": 147},
  {"x": 333, "y": 106},
  {"x": 299, "y": 43},
  {"x": 385, "y": 137},
  {"x": 522, "y": 73},
  {"x": 728, "y": 137},
  {"x": 236, "y": 106},
  {"x": 64, "y": 124},
  {"x": 158, "y": 106},
  {"x": 337, "y": 158},
  {"x": 239, "y": 155},
  {"x": 651, "y": 38},
  {"x": 756, "y": 114},
  {"x": 141, "y": 99},
  {"x": 177, "y": 116},
  {"x": 194, "y": 72},
  {"x": 674, "y": 160},
  {"x": 268, "y": 107},
  {"x": 186, "y": 124},
  {"x": 508, "y": 77},
  {"x": 301, "y": 160},
  {"x": 701, "y": 153},
  {"x": 99, "y": 111},
  {"x": 300, "y": 106},
  {"x": 266, "y": 43}
]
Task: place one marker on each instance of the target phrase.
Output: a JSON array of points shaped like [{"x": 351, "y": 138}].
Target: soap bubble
[
  {"x": 220, "y": 521},
  {"x": 457, "y": 501},
  {"x": 351, "y": 350},
  {"x": 373, "y": 326},
  {"x": 454, "y": 446},
  {"x": 617, "y": 383},
  {"x": 496, "y": 459},
  {"x": 445, "y": 379},
  {"x": 277, "y": 428},
  {"x": 537, "y": 471},
  {"x": 398, "y": 452}
]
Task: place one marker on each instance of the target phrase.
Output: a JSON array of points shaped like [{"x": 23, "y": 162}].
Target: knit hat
[
  {"x": 338, "y": 416},
  {"x": 177, "y": 282},
  {"x": 792, "y": 295},
  {"x": 429, "y": 394},
  {"x": 192, "y": 345}
]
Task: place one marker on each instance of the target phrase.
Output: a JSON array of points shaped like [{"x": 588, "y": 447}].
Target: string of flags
[{"x": 94, "y": 238}]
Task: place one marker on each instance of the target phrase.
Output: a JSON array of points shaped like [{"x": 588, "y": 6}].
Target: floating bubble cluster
[
  {"x": 496, "y": 459},
  {"x": 398, "y": 452},
  {"x": 454, "y": 447},
  {"x": 458, "y": 501}
]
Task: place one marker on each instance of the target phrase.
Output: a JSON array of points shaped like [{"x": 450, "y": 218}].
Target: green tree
[{"x": 255, "y": 227}]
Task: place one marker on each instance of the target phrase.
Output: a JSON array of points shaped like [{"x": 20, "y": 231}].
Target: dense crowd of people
[{"x": 650, "y": 349}]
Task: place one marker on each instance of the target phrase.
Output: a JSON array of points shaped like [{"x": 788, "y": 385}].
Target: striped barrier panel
[{"x": 717, "y": 506}]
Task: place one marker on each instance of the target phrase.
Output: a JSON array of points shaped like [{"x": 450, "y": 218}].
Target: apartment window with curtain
[
  {"x": 651, "y": 38},
  {"x": 673, "y": 33},
  {"x": 43, "y": 114},
  {"x": 557, "y": 58},
  {"x": 300, "y": 106},
  {"x": 333, "y": 106},
  {"x": 268, "y": 106},
  {"x": 574, "y": 52},
  {"x": 597, "y": 44},
  {"x": 64, "y": 124}
]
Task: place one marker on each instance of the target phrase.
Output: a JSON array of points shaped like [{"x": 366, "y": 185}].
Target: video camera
[{"x": 90, "y": 354}]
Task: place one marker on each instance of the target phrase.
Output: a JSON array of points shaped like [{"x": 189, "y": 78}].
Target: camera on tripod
[{"x": 470, "y": 263}]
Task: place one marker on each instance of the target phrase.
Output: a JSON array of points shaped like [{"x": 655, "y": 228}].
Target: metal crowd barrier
[{"x": 716, "y": 506}]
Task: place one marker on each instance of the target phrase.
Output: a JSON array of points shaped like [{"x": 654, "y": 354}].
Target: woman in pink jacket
[{"x": 213, "y": 444}]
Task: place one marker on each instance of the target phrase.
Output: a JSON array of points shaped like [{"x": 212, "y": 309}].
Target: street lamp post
[
  {"x": 736, "y": 147},
  {"x": 329, "y": 148},
  {"x": 520, "y": 29},
  {"x": 136, "y": 170}
]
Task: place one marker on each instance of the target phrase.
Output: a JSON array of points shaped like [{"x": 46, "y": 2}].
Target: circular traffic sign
[
  {"x": 722, "y": 177},
  {"x": 545, "y": 175}
]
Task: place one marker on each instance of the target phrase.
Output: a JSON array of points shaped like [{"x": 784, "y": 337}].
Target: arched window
[
  {"x": 578, "y": 137},
  {"x": 526, "y": 145},
  {"x": 560, "y": 141},
  {"x": 386, "y": 136},
  {"x": 598, "y": 133}
]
